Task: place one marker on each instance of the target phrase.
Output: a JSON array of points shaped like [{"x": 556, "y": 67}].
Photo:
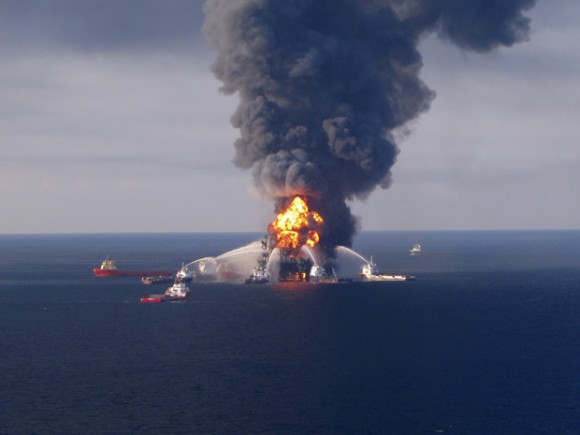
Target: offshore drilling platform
[
  {"x": 292, "y": 240},
  {"x": 294, "y": 250}
]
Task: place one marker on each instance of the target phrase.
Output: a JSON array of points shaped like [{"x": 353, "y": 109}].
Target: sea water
[{"x": 486, "y": 340}]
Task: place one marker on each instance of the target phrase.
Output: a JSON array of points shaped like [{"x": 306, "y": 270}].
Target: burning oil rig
[
  {"x": 292, "y": 242},
  {"x": 293, "y": 251}
]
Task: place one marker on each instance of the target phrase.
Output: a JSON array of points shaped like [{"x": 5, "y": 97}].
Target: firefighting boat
[{"x": 370, "y": 272}]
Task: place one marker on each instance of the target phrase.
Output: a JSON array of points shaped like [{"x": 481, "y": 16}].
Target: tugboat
[
  {"x": 109, "y": 268},
  {"x": 415, "y": 250},
  {"x": 370, "y": 272},
  {"x": 177, "y": 292},
  {"x": 260, "y": 274}
]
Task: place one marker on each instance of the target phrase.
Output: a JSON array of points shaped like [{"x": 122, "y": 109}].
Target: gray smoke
[{"x": 324, "y": 83}]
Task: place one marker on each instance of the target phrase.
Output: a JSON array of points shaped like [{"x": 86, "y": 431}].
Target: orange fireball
[{"x": 296, "y": 225}]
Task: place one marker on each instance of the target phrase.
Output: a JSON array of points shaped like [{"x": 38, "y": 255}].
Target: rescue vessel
[{"x": 370, "y": 272}]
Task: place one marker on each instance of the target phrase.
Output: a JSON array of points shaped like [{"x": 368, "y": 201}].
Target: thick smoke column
[{"x": 323, "y": 84}]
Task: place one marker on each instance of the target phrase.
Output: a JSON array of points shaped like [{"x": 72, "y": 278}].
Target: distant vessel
[
  {"x": 109, "y": 268},
  {"x": 177, "y": 292},
  {"x": 415, "y": 250},
  {"x": 370, "y": 272},
  {"x": 156, "y": 279}
]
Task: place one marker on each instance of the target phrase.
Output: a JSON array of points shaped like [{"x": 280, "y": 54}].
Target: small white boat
[{"x": 415, "y": 250}]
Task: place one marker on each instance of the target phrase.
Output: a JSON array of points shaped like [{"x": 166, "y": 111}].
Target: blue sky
[{"x": 112, "y": 122}]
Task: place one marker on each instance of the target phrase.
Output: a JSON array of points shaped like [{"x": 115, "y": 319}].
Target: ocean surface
[{"x": 486, "y": 340}]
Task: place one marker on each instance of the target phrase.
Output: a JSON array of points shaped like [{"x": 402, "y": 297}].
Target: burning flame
[{"x": 296, "y": 225}]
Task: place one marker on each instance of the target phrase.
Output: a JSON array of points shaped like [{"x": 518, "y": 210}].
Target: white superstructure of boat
[
  {"x": 416, "y": 249},
  {"x": 177, "y": 292},
  {"x": 260, "y": 274},
  {"x": 319, "y": 273},
  {"x": 184, "y": 274}
]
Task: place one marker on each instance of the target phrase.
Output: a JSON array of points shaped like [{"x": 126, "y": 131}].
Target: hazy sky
[{"x": 110, "y": 121}]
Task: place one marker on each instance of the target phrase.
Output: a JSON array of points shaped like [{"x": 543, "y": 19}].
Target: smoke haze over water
[{"x": 323, "y": 84}]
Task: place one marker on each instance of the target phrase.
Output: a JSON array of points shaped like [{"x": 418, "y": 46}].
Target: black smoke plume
[{"x": 324, "y": 83}]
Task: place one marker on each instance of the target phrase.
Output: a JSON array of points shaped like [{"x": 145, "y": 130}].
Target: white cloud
[{"x": 117, "y": 143}]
